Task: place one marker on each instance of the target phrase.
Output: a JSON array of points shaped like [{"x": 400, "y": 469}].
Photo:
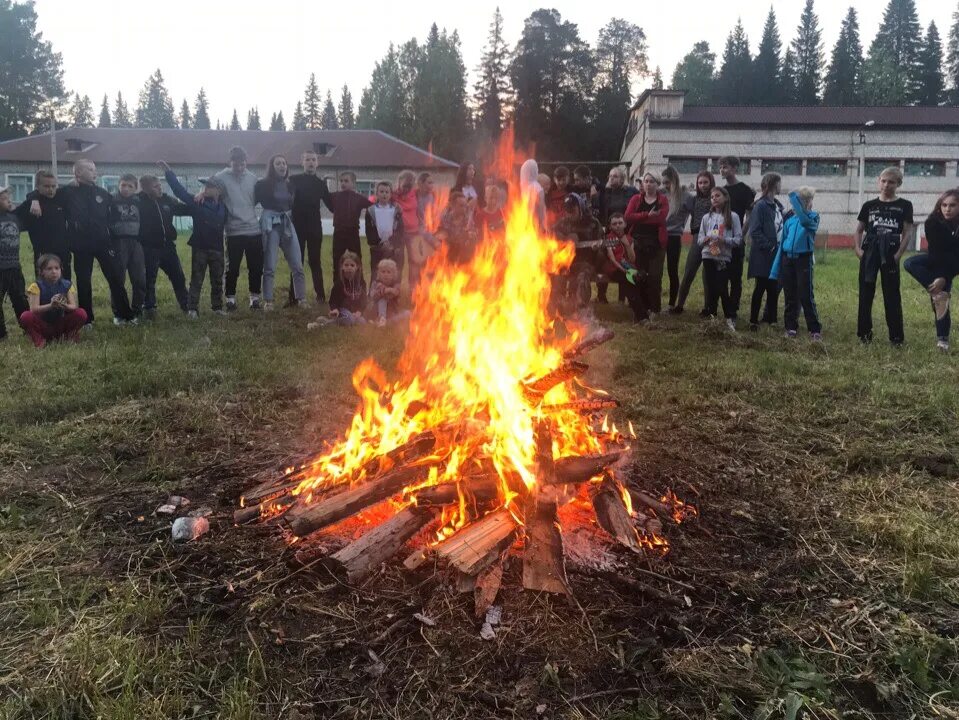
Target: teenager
[
  {"x": 647, "y": 213},
  {"x": 419, "y": 238},
  {"x": 309, "y": 194},
  {"x": 243, "y": 236},
  {"x": 621, "y": 266},
  {"x": 158, "y": 238},
  {"x": 384, "y": 227},
  {"x": 680, "y": 209},
  {"x": 719, "y": 233},
  {"x": 740, "y": 200},
  {"x": 557, "y": 195},
  {"x": 473, "y": 189},
  {"x": 765, "y": 235},
  {"x": 705, "y": 182},
  {"x": 458, "y": 230},
  {"x": 43, "y": 217},
  {"x": 274, "y": 194},
  {"x": 12, "y": 282},
  {"x": 347, "y": 205},
  {"x": 406, "y": 197},
  {"x": 54, "y": 313},
  {"x": 882, "y": 236},
  {"x": 793, "y": 266},
  {"x": 936, "y": 269},
  {"x": 533, "y": 193}
]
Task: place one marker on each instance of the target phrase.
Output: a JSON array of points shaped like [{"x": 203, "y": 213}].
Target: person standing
[
  {"x": 680, "y": 208},
  {"x": 719, "y": 233},
  {"x": 347, "y": 205},
  {"x": 158, "y": 238},
  {"x": 793, "y": 266},
  {"x": 43, "y": 217},
  {"x": 614, "y": 200},
  {"x": 243, "y": 236},
  {"x": 740, "y": 200},
  {"x": 882, "y": 235},
  {"x": 309, "y": 193},
  {"x": 705, "y": 182},
  {"x": 125, "y": 230},
  {"x": 87, "y": 208},
  {"x": 466, "y": 182},
  {"x": 765, "y": 236},
  {"x": 274, "y": 194},
  {"x": 647, "y": 213}
]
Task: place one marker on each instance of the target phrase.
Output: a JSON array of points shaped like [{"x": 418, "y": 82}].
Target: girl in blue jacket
[{"x": 793, "y": 266}]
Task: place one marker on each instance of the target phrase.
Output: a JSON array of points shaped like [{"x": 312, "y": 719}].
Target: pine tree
[
  {"x": 105, "y": 113},
  {"x": 789, "y": 90},
  {"x": 438, "y": 111},
  {"x": 186, "y": 118},
  {"x": 657, "y": 79},
  {"x": 930, "y": 84},
  {"x": 253, "y": 119},
  {"x": 312, "y": 104},
  {"x": 491, "y": 91},
  {"x": 201, "y": 112},
  {"x": 299, "y": 120},
  {"x": 235, "y": 121},
  {"x": 695, "y": 74},
  {"x": 734, "y": 81},
  {"x": 81, "y": 114},
  {"x": 767, "y": 66},
  {"x": 345, "y": 113},
  {"x": 891, "y": 68},
  {"x": 952, "y": 59},
  {"x": 121, "y": 114},
  {"x": 843, "y": 84},
  {"x": 329, "y": 120},
  {"x": 277, "y": 122},
  {"x": 383, "y": 103},
  {"x": 155, "y": 109},
  {"x": 808, "y": 55}
]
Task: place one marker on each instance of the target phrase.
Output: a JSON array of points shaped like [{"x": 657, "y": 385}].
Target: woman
[
  {"x": 647, "y": 213},
  {"x": 936, "y": 269},
  {"x": 472, "y": 189},
  {"x": 765, "y": 234},
  {"x": 274, "y": 194},
  {"x": 680, "y": 209},
  {"x": 614, "y": 200},
  {"x": 705, "y": 182}
]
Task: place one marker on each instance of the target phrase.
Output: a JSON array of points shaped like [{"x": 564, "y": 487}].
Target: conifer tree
[
  {"x": 299, "y": 120},
  {"x": 891, "y": 68},
  {"x": 788, "y": 78},
  {"x": 312, "y": 104},
  {"x": 952, "y": 59},
  {"x": 490, "y": 94},
  {"x": 808, "y": 55},
  {"x": 155, "y": 108},
  {"x": 734, "y": 81},
  {"x": 201, "y": 112},
  {"x": 696, "y": 74},
  {"x": 253, "y": 119},
  {"x": 329, "y": 121},
  {"x": 235, "y": 122},
  {"x": 843, "y": 84},
  {"x": 81, "y": 114},
  {"x": 105, "y": 120},
  {"x": 657, "y": 79},
  {"x": 930, "y": 86},
  {"x": 345, "y": 113},
  {"x": 186, "y": 117},
  {"x": 121, "y": 114},
  {"x": 277, "y": 122},
  {"x": 767, "y": 66}
]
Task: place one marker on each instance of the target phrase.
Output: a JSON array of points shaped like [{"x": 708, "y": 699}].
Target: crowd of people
[{"x": 623, "y": 234}]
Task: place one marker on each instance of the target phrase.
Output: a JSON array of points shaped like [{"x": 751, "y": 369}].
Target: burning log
[
  {"x": 265, "y": 509},
  {"x": 591, "y": 341},
  {"x": 543, "y": 566},
  {"x": 478, "y": 545},
  {"x": 612, "y": 514},
  {"x": 364, "y": 555},
  {"x": 574, "y": 469},
  {"x": 480, "y": 489},
  {"x": 268, "y": 491},
  {"x": 305, "y": 520},
  {"x": 535, "y": 389},
  {"x": 416, "y": 447},
  {"x": 582, "y": 406},
  {"x": 641, "y": 498}
]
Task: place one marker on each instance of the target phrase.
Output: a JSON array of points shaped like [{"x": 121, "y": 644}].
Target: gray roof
[{"x": 818, "y": 116}]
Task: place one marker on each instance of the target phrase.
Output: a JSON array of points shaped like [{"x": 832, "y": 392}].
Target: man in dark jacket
[
  {"x": 42, "y": 216},
  {"x": 310, "y": 192},
  {"x": 158, "y": 237},
  {"x": 87, "y": 209}
]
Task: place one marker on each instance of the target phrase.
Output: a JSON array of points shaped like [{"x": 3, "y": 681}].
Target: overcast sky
[{"x": 262, "y": 53}]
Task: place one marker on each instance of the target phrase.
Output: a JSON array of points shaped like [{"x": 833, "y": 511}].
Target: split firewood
[
  {"x": 416, "y": 447},
  {"x": 612, "y": 515},
  {"x": 362, "y": 556},
  {"x": 580, "y": 468},
  {"x": 593, "y": 340},
  {"x": 266, "y": 509},
  {"x": 479, "y": 489},
  {"x": 538, "y": 387},
  {"x": 641, "y": 498},
  {"x": 303, "y": 520},
  {"x": 269, "y": 492},
  {"x": 583, "y": 407},
  {"x": 477, "y": 545},
  {"x": 543, "y": 566},
  {"x": 487, "y": 586}
]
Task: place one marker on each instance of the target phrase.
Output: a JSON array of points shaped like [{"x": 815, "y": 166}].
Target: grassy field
[{"x": 821, "y": 580}]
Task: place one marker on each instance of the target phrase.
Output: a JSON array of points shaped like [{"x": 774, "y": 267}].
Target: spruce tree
[
  {"x": 312, "y": 104},
  {"x": 657, "y": 79},
  {"x": 81, "y": 114},
  {"x": 891, "y": 68},
  {"x": 345, "y": 114},
  {"x": 695, "y": 74},
  {"x": 734, "y": 81},
  {"x": 492, "y": 83},
  {"x": 299, "y": 120},
  {"x": 235, "y": 122},
  {"x": 253, "y": 119},
  {"x": 843, "y": 84},
  {"x": 808, "y": 55},
  {"x": 105, "y": 113},
  {"x": 930, "y": 84},
  {"x": 788, "y": 78},
  {"x": 952, "y": 59},
  {"x": 767, "y": 66},
  {"x": 329, "y": 120},
  {"x": 277, "y": 122},
  {"x": 155, "y": 109},
  {"x": 121, "y": 113},
  {"x": 186, "y": 118},
  {"x": 384, "y": 102},
  {"x": 201, "y": 111}
]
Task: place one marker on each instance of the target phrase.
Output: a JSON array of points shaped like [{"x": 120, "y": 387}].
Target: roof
[
  {"x": 136, "y": 146},
  {"x": 817, "y": 116}
]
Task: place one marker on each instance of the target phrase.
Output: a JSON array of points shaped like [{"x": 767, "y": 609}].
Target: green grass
[{"x": 825, "y": 563}]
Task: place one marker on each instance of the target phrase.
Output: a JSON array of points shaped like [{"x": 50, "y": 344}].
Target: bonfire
[{"x": 487, "y": 433}]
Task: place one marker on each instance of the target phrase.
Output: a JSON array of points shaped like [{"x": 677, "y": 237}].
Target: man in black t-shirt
[
  {"x": 882, "y": 236},
  {"x": 310, "y": 193},
  {"x": 741, "y": 198}
]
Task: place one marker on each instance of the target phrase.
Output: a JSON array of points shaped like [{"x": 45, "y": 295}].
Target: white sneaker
[
  {"x": 119, "y": 321},
  {"x": 88, "y": 327},
  {"x": 193, "y": 314},
  {"x": 267, "y": 306},
  {"x": 731, "y": 324},
  {"x": 133, "y": 321},
  {"x": 943, "y": 345},
  {"x": 254, "y": 302}
]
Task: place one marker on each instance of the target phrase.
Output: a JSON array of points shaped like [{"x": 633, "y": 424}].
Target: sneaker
[
  {"x": 942, "y": 344},
  {"x": 255, "y": 302},
  {"x": 303, "y": 304},
  {"x": 381, "y": 322},
  {"x": 119, "y": 321},
  {"x": 193, "y": 314},
  {"x": 815, "y": 337},
  {"x": 791, "y": 334},
  {"x": 753, "y": 327},
  {"x": 678, "y": 310},
  {"x": 88, "y": 327},
  {"x": 865, "y": 339},
  {"x": 940, "y": 301},
  {"x": 731, "y": 324},
  {"x": 231, "y": 304},
  {"x": 133, "y": 321},
  {"x": 220, "y": 312},
  {"x": 267, "y": 306}
]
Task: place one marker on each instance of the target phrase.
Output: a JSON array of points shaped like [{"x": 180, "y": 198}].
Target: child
[
  {"x": 11, "y": 275},
  {"x": 348, "y": 298},
  {"x": 621, "y": 265},
  {"x": 705, "y": 182},
  {"x": 385, "y": 293},
  {"x": 346, "y": 205},
  {"x": 794, "y": 261},
  {"x": 42, "y": 215},
  {"x": 54, "y": 313},
  {"x": 572, "y": 291},
  {"x": 765, "y": 233},
  {"x": 125, "y": 233},
  {"x": 647, "y": 213},
  {"x": 558, "y": 193},
  {"x": 384, "y": 225},
  {"x": 158, "y": 238},
  {"x": 274, "y": 194},
  {"x": 457, "y": 229},
  {"x": 740, "y": 200},
  {"x": 209, "y": 219},
  {"x": 720, "y": 233},
  {"x": 882, "y": 235},
  {"x": 936, "y": 270},
  {"x": 680, "y": 208},
  {"x": 490, "y": 217}
]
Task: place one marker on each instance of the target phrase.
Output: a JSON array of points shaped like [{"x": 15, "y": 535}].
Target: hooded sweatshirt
[
  {"x": 717, "y": 240},
  {"x": 238, "y": 197},
  {"x": 533, "y": 191}
]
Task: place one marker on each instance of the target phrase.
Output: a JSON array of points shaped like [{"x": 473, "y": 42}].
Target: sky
[{"x": 260, "y": 53}]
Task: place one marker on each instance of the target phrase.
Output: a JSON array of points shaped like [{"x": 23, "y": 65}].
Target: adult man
[
  {"x": 87, "y": 210},
  {"x": 309, "y": 191},
  {"x": 740, "y": 200},
  {"x": 243, "y": 234}
]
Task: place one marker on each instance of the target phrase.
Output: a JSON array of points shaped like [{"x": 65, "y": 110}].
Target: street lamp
[{"x": 862, "y": 157}]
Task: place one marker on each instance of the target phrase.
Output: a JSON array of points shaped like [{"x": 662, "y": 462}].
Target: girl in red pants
[{"x": 53, "y": 313}]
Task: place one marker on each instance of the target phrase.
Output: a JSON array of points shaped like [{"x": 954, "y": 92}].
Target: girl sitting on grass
[
  {"x": 348, "y": 297},
  {"x": 53, "y": 313},
  {"x": 385, "y": 293},
  {"x": 719, "y": 233}
]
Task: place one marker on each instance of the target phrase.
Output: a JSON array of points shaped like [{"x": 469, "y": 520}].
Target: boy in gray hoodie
[{"x": 125, "y": 233}]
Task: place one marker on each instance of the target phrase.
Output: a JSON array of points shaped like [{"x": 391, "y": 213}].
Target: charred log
[
  {"x": 538, "y": 387},
  {"x": 612, "y": 515},
  {"x": 543, "y": 566},
  {"x": 591, "y": 341},
  {"x": 362, "y": 556},
  {"x": 583, "y": 407},
  {"x": 581, "y": 468}
]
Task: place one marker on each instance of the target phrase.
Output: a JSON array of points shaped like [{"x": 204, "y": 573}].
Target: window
[
  {"x": 110, "y": 183},
  {"x": 687, "y": 166},
  {"x": 875, "y": 167},
  {"x": 365, "y": 187},
  {"x": 745, "y": 167},
  {"x": 783, "y": 167},
  {"x": 324, "y": 149},
  {"x": 925, "y": 168},
  {"x": 19, "y": 185},
  {"x": 827, "y": 168}
]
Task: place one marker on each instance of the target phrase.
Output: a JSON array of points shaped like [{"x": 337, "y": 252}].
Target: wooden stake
[
  {"x": 362, "y": 556},
  {"x": 612, "y": 514}
]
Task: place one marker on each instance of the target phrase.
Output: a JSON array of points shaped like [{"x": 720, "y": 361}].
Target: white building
[{"x": 819, "y": 146}]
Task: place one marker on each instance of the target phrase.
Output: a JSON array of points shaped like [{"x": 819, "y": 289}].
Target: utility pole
[{"x": 53, "y": 141}]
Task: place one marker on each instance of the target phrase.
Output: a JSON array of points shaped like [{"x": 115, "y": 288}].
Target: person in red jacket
[{"x": 646, "y": 214}]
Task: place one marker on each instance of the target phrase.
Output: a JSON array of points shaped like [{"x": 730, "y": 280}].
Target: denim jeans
[
  {"x": 278, "y": 234},
  {"x": 918, "y": 267}
]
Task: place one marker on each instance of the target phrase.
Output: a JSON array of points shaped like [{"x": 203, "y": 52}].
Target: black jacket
[
  {"x": 156, "y": 219},
  {"x": 88, "y": 210},
  {"x": 943, "y": 240},
  {"x": 309, "y": 193},
  {"x": 48, "y": 233},
  {"x": 209, "y": 218}
]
